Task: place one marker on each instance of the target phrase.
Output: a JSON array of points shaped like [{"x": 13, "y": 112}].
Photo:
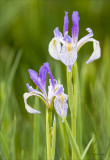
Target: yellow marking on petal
[
  {"x": 69, "y": 47},
  {"x": 62, "y": 98},
  {"x": 54, "y": 42}
]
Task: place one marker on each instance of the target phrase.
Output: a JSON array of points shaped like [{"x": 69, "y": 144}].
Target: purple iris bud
[
  {"x": 75, "y": 28},
  {"x": 66, "y": 22},
  {"x": 57, "y": 33}
]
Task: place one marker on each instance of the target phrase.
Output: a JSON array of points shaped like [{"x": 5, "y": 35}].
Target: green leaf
[
  {"x": 87, "y": 148},
  {"x": 75, "y": 148},
  {"x": 9, "y": 83},
  {"x": 64, "y": 147},
  {"x": 4, "y": 146}
]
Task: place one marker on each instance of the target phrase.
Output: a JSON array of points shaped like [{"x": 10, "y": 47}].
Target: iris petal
[
  {"x": 33, "y": 90},
  {"x": 28, "y": 108},
  {"x": 66, "y": 22},
  {"x": 55, "y": 48},
  {"x": 67, "y": 38},
  {"x": 75, "y": 28},
  {"x": 60, "y": 103},
  {"x": 97, "y": 51},
  {"x": 68, "y": 55},
  {"x": 35, "y": 78},
  {"x": 57, "y": 33},
  {"x": 83, "y": 40}
]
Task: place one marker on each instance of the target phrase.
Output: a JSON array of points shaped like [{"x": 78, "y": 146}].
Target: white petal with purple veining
[
  {"x": 83, "y": 40},
  {"x": 68, "y": 54},
  {"x": 55, "y": 48},
  {"x": 30, "y": 88},
  {"x": 28, "y": 108},
  {"x": 60, "y": 104},
  {"x": 97, "y": 51}
]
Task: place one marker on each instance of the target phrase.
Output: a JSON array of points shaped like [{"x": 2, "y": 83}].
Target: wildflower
[
  {"x": 55, "y": 91},
  {"x": 65, "y": 48}
]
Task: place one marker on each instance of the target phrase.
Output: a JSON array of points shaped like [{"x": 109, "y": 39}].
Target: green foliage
[{"x": 26, "y": 28}]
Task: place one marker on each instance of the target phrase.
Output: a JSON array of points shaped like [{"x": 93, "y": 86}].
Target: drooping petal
[
  {"x": 35, "y": 78},
  {"x": 75, "y": 28},
  {"x": 67, "y": 38},
  {"x": 60, "y": 104},
  {"x": 55, "y": 48},
  {"x": 28, "y": 108},
  {"x": 66, "y": 22},
  {"x": 83, "y": 40},
  {"x": 34, "y": 90},
  {"x": 57, "y": 33},
  {"x": 97, "y": 51},
  {"x": 68, "y": 55}
]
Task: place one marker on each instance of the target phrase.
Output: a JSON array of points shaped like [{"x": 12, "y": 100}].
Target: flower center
[{"x": 69, "y": 47}]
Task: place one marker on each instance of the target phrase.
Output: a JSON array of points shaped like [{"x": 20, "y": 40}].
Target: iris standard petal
[
  {"x": 42, "y": 74},
  {"x": 50, "y": 73},
  {"x": 68, "y": 55},
  {"x": 55, "y": 48},
  {"x": 75, "y": 27},
  {"x": 28, "y": 108},
  {"x": 34, "y": 90},
  {"x": 66, "y": 22},
  {"x": 97, "y": 50},
  {"x": 35, "y": 78}
]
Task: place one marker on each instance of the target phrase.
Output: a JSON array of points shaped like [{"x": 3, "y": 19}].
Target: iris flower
[
  {"x": 55, "y": 96},
  {"x": 65, "y": 48}
]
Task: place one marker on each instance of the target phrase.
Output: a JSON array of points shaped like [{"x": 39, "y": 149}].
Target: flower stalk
[
  {"x": 48, "y": 133},
  {"x": 72, "y": 94}
]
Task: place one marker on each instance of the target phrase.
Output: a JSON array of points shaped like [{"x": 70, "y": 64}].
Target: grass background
[{"x": 26, "y": 28}]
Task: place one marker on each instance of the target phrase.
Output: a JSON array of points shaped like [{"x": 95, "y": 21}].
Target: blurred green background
[{"x": 26, "y": 28}]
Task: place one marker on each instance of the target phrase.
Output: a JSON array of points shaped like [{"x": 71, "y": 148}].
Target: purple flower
[
  {"x": 55, "y": 91},
  {"x": 65, "y": 48}
]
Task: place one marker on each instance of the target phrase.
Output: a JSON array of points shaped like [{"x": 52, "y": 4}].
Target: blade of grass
[
  {"x": 73, "y": 143},
  {"x": 5, "y": 147},
  {"x": 87, "y": 148},
  {"x": 64, "y": 139},
  {"x": 9, "y": 84},
  {"x": 79, "y": 122},
  {"x": 13, "y": 139}
]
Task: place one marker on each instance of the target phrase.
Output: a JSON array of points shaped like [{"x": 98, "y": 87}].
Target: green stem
[
  {"x": 72, "y": 94},
  {"x": 36, "y": 132},
  {"x": 48, "y": 133}
]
